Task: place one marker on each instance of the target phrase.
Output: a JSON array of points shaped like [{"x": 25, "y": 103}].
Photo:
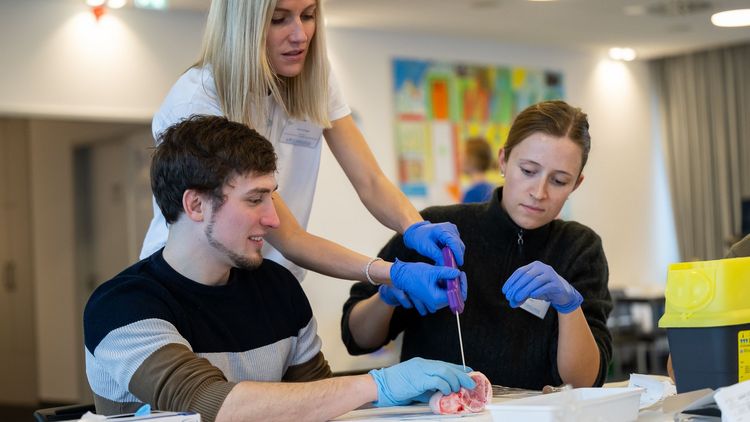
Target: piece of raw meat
[{"x": 464, "y": 401}]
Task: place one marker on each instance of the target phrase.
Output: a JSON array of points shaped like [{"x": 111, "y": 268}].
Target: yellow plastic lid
[{"x": 707, "y": 294}]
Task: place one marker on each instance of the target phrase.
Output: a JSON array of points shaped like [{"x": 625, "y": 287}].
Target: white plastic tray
[{"x": 580, "y": 405}]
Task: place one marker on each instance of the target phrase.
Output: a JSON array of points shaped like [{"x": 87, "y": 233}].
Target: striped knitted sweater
[{"x": 154, "y": 336}]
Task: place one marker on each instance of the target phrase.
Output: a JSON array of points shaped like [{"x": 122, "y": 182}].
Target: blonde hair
[{"x": 234, "y": 46}]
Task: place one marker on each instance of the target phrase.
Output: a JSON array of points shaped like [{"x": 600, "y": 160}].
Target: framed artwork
[{"x": 440, "y": 105}]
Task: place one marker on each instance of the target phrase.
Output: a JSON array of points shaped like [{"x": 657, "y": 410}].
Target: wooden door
[{"x": 17, "y": 344}]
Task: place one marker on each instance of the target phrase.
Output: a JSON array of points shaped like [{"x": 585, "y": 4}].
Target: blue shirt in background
[{"x": 479, "y": 192}]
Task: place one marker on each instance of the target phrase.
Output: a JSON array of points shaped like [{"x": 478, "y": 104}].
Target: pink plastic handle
[{"x": 455, "y": 301}]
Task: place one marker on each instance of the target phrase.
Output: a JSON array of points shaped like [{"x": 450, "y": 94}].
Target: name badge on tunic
[{"x": 304, "y": 134}]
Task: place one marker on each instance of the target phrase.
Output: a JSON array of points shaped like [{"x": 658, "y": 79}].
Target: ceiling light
[
  {"x": 97, "y": 8},
  {"x": 116, "y": 4},
  {"x": 150, "y": 4},
  {"x": 623, "y": 54},
  {"x": 732, "y": 18}
]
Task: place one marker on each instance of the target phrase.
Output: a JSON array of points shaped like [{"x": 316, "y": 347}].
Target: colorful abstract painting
[{"x": 439, "y": 105}]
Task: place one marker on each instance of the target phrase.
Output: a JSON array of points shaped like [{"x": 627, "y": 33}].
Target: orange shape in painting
[{"x": 440, "y": 100}]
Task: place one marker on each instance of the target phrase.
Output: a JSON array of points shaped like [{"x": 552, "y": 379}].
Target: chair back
[{"x": 63, "y": 413}]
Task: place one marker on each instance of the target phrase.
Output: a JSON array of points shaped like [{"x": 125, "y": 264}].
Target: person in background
[
  {"x": 264, "y": 64},
  {"x": 739, "y": 249},
  {"x": 516, "y": 249},
  {"x": 477, "y": 161},
  {"x": 206, "y": 324}
]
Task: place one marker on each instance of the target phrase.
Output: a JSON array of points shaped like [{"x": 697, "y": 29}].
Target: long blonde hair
[{"x": 234, "y": 46}]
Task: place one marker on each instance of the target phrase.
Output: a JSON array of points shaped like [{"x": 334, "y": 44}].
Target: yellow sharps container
[{"x": 707, "y": 317}]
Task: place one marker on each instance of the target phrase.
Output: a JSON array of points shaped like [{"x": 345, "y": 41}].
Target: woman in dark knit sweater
[{"x": 515, "y": 249}]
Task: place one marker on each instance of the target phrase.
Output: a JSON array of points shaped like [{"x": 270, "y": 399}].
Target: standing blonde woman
[{"x": 264, "y": 64}]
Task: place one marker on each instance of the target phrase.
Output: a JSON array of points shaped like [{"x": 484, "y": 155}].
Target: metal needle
[{"x": 461, "y": 341}]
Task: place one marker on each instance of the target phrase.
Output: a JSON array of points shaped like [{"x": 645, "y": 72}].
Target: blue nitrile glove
[
  {"x": 428, "y": 239},
  {"x": 540, "y": 281},
  {"x": 425, "y": 283},
  {"x": 408, "y": 381},
  {"x": 395, "y": 297}
]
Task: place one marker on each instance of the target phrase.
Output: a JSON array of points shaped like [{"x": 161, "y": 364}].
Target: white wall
[{"x": 57, "y": 63}]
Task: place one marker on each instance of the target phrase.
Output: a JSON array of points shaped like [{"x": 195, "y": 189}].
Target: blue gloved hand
[
  {"x": 425, "y": 283},
  {"x": 408, "y": 381},
  {"x": 428, "y": 239},
  {"x": 425, "y": 397},
  {"x": 540, "y": 281},
  {"x": 394, "y": 297}
]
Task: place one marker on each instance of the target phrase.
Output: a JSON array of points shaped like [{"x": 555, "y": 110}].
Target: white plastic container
[{"x": 579, "y": 405}]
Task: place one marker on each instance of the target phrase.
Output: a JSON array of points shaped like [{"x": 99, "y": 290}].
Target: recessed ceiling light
[
  {"x": 151, "y": 4},
  {"x": 732, "y": 18},
  {"x": 95, "y": 3},
  {"x": 116, "y": 4},
  {"x": 622, "y": 53}
]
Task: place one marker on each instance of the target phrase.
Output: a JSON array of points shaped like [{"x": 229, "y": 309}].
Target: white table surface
[{"x": 662, "y": 411}]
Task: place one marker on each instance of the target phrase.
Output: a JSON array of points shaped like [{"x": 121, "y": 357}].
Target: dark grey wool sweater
[{"x": 511, "y": 346}]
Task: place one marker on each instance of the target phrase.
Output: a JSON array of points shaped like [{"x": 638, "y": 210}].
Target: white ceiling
[{"x": 652, "y": 27}]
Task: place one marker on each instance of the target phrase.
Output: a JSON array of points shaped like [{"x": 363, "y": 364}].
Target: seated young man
[{"x": 206, "y": 324}]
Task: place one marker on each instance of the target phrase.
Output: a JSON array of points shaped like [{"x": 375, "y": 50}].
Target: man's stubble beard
[{"x": 238, "y": 261}]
